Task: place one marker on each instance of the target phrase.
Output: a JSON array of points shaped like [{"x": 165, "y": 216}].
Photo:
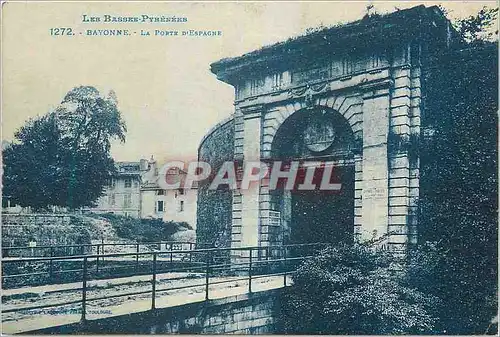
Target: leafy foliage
[
  {"x": 62, "y": 158},
  {"x": 354, "y": 290},
  {"x": 480, "y": 27},
  {"x": 459, "y": 188}
]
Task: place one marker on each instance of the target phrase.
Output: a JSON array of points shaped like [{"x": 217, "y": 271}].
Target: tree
[
  {"x": 459, "y": 186},
  {"x": 457, "y": 256},
  {"x": 62, "y": 158},
  {"x": 480, "y": 27},
  {"x": 353, "y": 289}
]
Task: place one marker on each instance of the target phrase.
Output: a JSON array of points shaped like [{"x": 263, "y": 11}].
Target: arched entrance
[{"x": 319, "y": 138}]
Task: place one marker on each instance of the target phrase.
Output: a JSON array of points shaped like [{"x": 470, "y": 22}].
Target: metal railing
[
  {"x": 214, "y": 266},
  {"x": 92, "y": 248},
  {"x": 110, "y": 257}
]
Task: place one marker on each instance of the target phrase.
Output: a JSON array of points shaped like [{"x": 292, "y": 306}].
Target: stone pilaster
[
  {"x": 414, "y": 155},
  {"x": 268, "y": 234},
  {"x": 239, "y": 127},
  {"x": 358, "y": 200},
  {"x": 374, "y": 213},
  {"x": 404, "y": 157},
  {"x": 266, "y": 230},
  {"x": 399, "y": 163},
  {"x": 246, "y": 202}
]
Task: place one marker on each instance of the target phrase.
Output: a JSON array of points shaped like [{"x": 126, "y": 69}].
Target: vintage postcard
[{"x": 240, "y": 167}]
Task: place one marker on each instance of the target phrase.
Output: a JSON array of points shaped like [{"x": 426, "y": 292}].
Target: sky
[{"x": 165, "y": 90}]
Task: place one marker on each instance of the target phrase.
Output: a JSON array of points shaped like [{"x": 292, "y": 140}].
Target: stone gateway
[{"x": 351, "y": 97}]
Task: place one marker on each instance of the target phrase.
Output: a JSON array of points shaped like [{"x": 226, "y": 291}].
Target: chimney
[
  {"x": 143, "y": 165},
  {"x": 152, "y": 165}
]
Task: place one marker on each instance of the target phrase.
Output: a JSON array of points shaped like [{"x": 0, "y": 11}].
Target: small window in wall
[
  {"x": 112, "y": 199},
  {"x": 237, "y": 91},
  {"x": 181, "y": 206},
  {"x": 128, "y": 182},
  {"x": 160, "y": 192},
  {"x": 127, "y": 200},
  {"x": 181, "y": 191},
  {"x": 277, "y": 81},
  {"x": 256, "y": 85},
  {"x": 159, "y": 206},
  {"x": 375, "y": 60},
  {"x": 347, "y": 66},
  {"x": 32, "y": 242},
  {"x": 253, "y": 87}
]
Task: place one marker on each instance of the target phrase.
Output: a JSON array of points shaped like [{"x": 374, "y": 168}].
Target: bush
[
  {"x": 144, "y": 230},
  {"x": 354, "y": 290},
  {"x": 468, "y": 295}
]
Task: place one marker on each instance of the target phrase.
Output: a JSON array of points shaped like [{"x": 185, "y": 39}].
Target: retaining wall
[{"x": 242, "y": 314}]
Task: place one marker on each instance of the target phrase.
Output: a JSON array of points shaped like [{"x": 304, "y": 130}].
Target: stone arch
[
  {"x": 283, "y": 140},
  {"x": 349, "y": 106}
]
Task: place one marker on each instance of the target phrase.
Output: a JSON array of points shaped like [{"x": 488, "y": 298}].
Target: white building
[
  {"x": 135, "y": 192},
  {"x": 123, "y": 194}
]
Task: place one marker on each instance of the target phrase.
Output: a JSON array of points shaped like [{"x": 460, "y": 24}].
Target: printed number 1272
[{"x": 61, "y": 31}]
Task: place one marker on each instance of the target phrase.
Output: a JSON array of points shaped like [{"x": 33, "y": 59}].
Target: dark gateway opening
[
  {"x": 317, "y": 138},
  {"x": 324, "y": 216}
]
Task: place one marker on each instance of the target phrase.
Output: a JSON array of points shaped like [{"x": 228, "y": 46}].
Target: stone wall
[
  {"x": 242, "y": 314},
  {"x": 214, "y": 206},
  {"x": 45, "y": 229}
]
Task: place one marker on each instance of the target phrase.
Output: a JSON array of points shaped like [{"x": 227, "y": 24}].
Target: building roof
[
  {"x": 371, "y": 32},
  {"x": 151, "y": 183},
  {"x": 128, "y": 168}
]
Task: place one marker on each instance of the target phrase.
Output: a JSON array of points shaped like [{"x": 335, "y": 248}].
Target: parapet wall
[{"x": 242, "y": 314}]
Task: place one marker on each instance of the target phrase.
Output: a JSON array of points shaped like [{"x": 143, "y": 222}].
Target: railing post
[
  {"x": 51, "y": 267},
  {"x": 137, "y": 257},
  {"x": 84, "y": 289},
  {"x": 284, "y": 266},
  {"x": 190, "y": 253},
  {"x": 171, "y": 254},
  {"x": 153, "y": 294},
  {"x": 102, "y": 244},
  {"x": 207, "y": 276},
  {"x": 250, "y": 272},
  {"x": 97, "y": 262}
]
